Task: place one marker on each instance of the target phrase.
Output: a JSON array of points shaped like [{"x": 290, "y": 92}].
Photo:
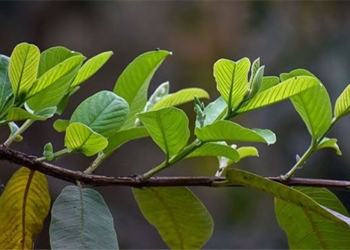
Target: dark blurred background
[{"x": 285, "y": 35}]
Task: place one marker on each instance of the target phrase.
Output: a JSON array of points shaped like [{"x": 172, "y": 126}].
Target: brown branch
[{"x": 29, "y": 161}]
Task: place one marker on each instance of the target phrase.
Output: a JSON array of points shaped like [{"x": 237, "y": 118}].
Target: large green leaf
[
  {"x": 230, "y": 131},
  {"x": 103, "y": 112},
  {"x": 81, "y": 138},
  {"x": 124, "y": 136},
  {"x": 133, "y": 83},
  {"x": 179, "y": 216},
  {"x": 342, "y": 105},
  {"x": 80, "y": 219},
  {"x": 232, "y": 80},
  {"x": 287, "y": 194},
  {"x": 180, "y": 97},
  {"x": 23, "y": 68},
  {"x": 309, "y": 230},
  {"x": 91, "y": 67},
  {"x": 215, "y": 149},
  {"x": 313, "y": 105},
  {"x": 279, "y": 93}
]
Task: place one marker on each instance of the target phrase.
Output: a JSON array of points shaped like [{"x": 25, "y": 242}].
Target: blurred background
[{"x": 285, "y": 35}]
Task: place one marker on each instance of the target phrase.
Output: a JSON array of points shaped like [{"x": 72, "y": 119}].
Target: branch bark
[{"x": 30, "y": 162}]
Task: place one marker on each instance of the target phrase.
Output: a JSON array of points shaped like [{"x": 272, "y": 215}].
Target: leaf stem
[
  {"x": 24, "y": 126},
  {"x": 96, "y": 163},
  {"x": 62, "y": 152}
]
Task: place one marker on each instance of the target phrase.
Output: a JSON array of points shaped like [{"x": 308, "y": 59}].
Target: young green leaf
[
  {"x": 133, "y": 83},
  {"x": 103, "y": 112},
  {"x": 247, "y": 152},
  {"x": 168, "y": 128},
  {"x": 18, "y": 114},
  {"x": 48, "y": 151},
  {"x": 180, "y": 97},
  {"x": 91, "y": 67},
  {"x": 329, "y": 143},
  {"x": 280, "y": 92},
  {"x": 80, "y": 219},
  {"x": 6, "y": 93},
  {"x": 255, "y": 68},
  {"x": 268, "y": 82},
  {"x": 342, "y": 105},
  {"x": 181, "y": 219},
  {"x": 81, "y": 138},
  {"x": 256, "y": 83},
  {"x": 230, "y": 131},
  {"x": 214, "y": 111},
  {"x": 23, "y": 68},
  {"x": 61, "y": 125},
  {"x": 232, "y": 80},
  {"x": 215, "y": 149}
]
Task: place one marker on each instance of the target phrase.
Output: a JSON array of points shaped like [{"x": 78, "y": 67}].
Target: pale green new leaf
[
  {"x": 311, "y": 230},
  {"x": 103, "y": 112},
  {"x": 81, "y": 138},
  {"x": 256, "y": 83},
  {"x": 180, "y": 97},
  {"x": 215, "y": 149},
  {"x": 133, "y": 83},
  {"x": 181, "y": 219},
  {"x": 279, "y": 92},
  {"x": 230, "y": 131},
  {"x": 214, "y": 111},
  {"x": 342, "y": 105},
  {"x": 247, "y": 152},
  {"x": 80, "y": 219},
  {"x": 232, "y": 80},
  {"x": 329, "y": 143},
  {"x": 91, "y": 67},
  {"x": 23, "y": 68},
  {"x": 18, "y": 114},
  {"x": 268, "y": 82},
  {"x": 168, "y": 128},
  {"x": 61, "y": 125},
  {"x": 287, "y": 194},
  {"x": 6, "y": 93}
]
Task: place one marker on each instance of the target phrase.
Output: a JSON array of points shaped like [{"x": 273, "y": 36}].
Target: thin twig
[{"x": 30, "y": 162}]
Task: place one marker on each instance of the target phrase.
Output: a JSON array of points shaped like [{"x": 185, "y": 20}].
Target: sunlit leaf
[
  {"x": 342, "y": 105},
  {"x": 133, "y": 83},
  {"x": 24, "y": 205},
  {"x": 246, "y": 152},
  {"x": 61, "y": 125},
  {"x": 168, "y": 128},
  {"x": 215, "y": 149},
  {"x": 6, "y": 93},
  {"x": 81, "y": 138},
  {"x": 17, "y": 114},
  {"x": 103, "y": 112},
  {"x": 80, "y": 219},
  {"x": 160, "y": 92},
  {"x": 179, "y": 216},
  {"x": 256, "y": 83},
  {"x": 214, "y": 110},
  {"x": 268, "y": 82},
  {"x": 329, "y": 143}
]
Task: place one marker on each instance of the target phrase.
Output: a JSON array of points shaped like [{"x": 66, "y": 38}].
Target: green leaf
[
  {"x": 215, "y": 149},
  {"x": 285, "y": 193},
  {"x": 232, "y": 80},
  {"x": 91, "y": 67},
  {"x": 256, "y": 83},
  {"x": 268, "y": 82},
  {"x": 17, "y": 114},
  {"x": 103, "y": 112},
  {"x": 133, "y": 83},
  {"x": 48, "y": 151},
  {"x": 61, "y": 125},
  {"x": 279, "y": 92},
  {"x": 180, "y": 97},
  {"x": 6, "y": 93},
  {"x": 247, "y": 151},
  {"x": 230, "y": 131},
  {"x": 313, "y": 105},
  {"x": 255, "y": 68},
  {"x": 161, "y": 92},
  {"x": 214, "y": 110},
  {"x": 179, "y": 216},
  {"x": 168, "y": 128},
  {"x": 342, "y": 105},
  {"x": 81, "y": 138},
  {"x": 124, "y": 136},
  {"x": 329, "y": 143},
  {"x": 80, "y": 219},
  {"x": 23, "y": 68},
  {"x": 311, "y": 230}
]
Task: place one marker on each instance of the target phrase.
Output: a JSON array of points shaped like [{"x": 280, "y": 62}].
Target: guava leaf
[
  {"x": 179, "y": 216},
  {"x": 80, "y": 219},
  {"x": 18, "y": 114},
  {"x": 132, "y": 85},
  {"x": 342, "y": 105},
  {"x": 5, "y": 86},
  {"x": 268, "y": 82},
  {"x": 215, "y": 149},
  {"x": 61, "y": 125},
  {"x": 247, "y": 152},
  {"x": 329, "y": 143},
  {"x": 214, "y": 110},
  {"x": 168, "y": 128}
]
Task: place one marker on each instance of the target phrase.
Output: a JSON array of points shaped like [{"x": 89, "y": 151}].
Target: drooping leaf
[
  {"x": 329, "y": 143},
  {"x": 230, "y": 131},
  {"x": 268, "y": 82},
  {"x": 342, "y": 105},
  {"x": 24, "y": 205},
  {"x": 215, "y": 149},
  {"x": 179, "y": 216},
  {"x": 285, "y": 193},
  {"x": 307, "y": 229},
  {"x": 232, "y": 80},
  {"x": 17, "y": 114},
  {"x": 80, "y": 219},
  {"x": 124, "y": 136},
  {"x": 6, "y": 93},
  {"x": 81, "y": 138},
  {"x": 61, "y": 125},
  {"x": 91, "y": 67},
  {"x": 180, "y": 97},
  {"x": 103, "y": 112},
  {"x": 279, "y": 92},
  {"x": 23, "y": 68},
  {"x": 133, "y": 83},
  {"x": 168, "y": 128}
]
